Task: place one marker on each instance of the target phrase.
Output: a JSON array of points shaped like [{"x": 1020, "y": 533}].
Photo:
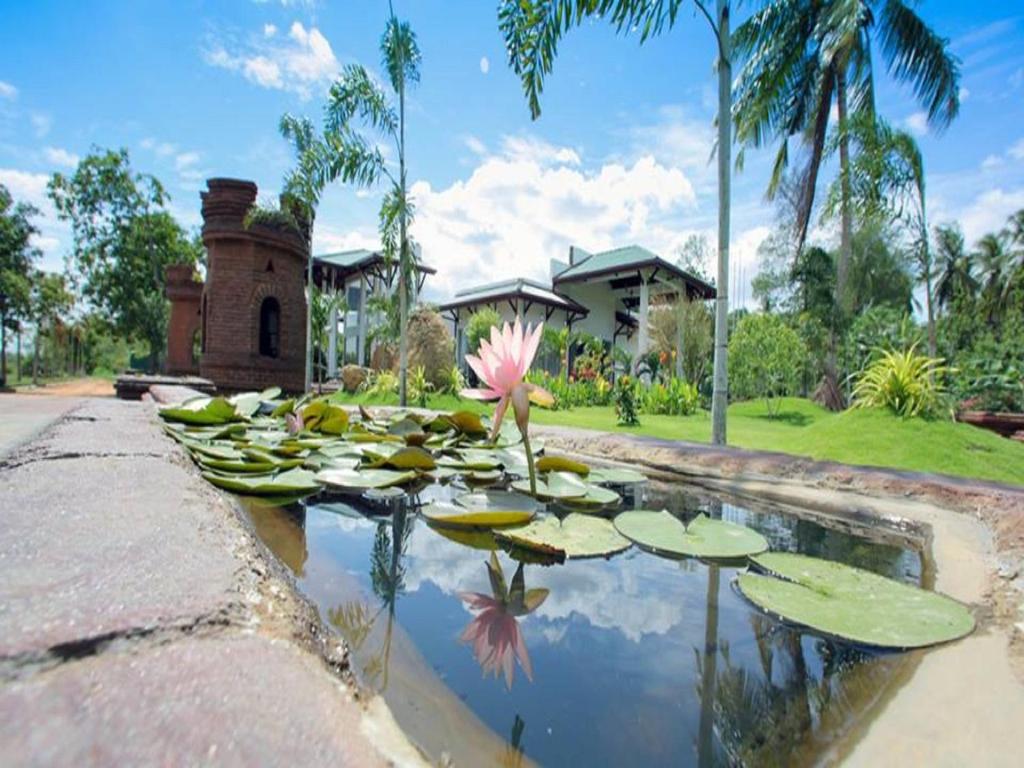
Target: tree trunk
[
  {"x": 3, "y": 351},
  {"x": 720, "y": 395},
  {"x": 928, "y": 298},
  {"x": 309, "y": 305},
  {"x": 843, "y": 302},
  {"x": 17, "y": 362},
  {"x": 35, "y": 359},
  {"x": 403, "y": 256}
]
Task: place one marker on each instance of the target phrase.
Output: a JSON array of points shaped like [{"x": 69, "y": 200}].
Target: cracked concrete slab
[
  {"x": 236, "y": 701},
  {"x": 23, "y": 416},
  {"x": 94, "y": 546}
]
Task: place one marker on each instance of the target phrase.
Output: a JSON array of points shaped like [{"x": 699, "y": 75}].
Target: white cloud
[
  {"x": 485, "y": 65},
  {"x": 40, "y": 124},
  {"x": 185, "y": 160},
  {"x": 8, "y": 91},
  {"x": 474, "y": 145},
  {"x": 917, "y": 124},
  {"x": 1017, "y": 150},
  {"x": 297, "y": 64},
  {"x": 964, "y": 94},
  {"x": 269, "y": 30},
  {"x": 991, "y": 162},
  {"x": 326, "y": 239},
  {"x": 526, "y": 204},
  {"x": 61, "y": 157},
  {"x": 988, "y": 212}
]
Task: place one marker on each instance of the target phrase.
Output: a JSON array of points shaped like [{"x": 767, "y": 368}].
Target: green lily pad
[
  {"x": 363, "y": 479},
  {"x": 558, "y": 486},
  {"x": 455, "y": 516},
  {"x": 664, "y": 533},
  {"x": 410, "y": 457},
  {"x": 466, "y": 422},
  {"x": 201, "y": 411},
  {"x": 472, "y": 459},
  {"x": 595, "y": 497},
  {"x": 853, "y": 604},
  {"x": 497, "y": 501},
  {"x": 575, "y": 536},
  {"x": 562, "y": 464},
  {"x": 290, "y": 483},
  {"x": 482, "y": 476},
  {"x": 615, "y": 476}
]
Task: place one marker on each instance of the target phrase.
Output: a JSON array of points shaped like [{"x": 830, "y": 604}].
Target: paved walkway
[{"x": 141, "y": 623}]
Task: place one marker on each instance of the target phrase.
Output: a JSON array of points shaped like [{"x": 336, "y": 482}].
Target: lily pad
[
  {"x": 471, "y": 458},
  {"x": 561, "y": 464},
  {"x": 466, "y": 422},
  {"x": 290, "y": 483},
  {"x": 595, "y": 497},
  {"x": 455, "y": 516},
  {"x": 615, "y": 476},
  {"x": 410, "y": 458},
  {"x": 496, "y": 501},
  {"x": 558, "y": 486},
  {"x": 203, "y": 411},
  {"x": 474, "y": 538},
  {"x": 853, "y": 604},
  {"x": 363, "y": 479},
  {"x": 575, "y": 536},
  {"x": 664, "y": 533}
]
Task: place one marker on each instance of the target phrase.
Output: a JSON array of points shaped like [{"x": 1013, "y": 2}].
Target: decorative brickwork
[
  {"x": 185, "y": 293},
  {"x": 247, "y": 266}
]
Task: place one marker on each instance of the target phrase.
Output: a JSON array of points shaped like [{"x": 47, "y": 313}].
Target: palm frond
[
  {"x": 355, "y": 94},
  {"x": 400, "y": 54}
]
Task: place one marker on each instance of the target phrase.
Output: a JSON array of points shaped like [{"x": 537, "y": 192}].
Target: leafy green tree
[
  {"x": 532, "y": 30},
  {"x": 16, "y": 257},
  {"x": 802, "y": 57},
  {"x": 479, "y": 325},
  {"x": 356, "y": 101},
  {"x": 50, "y": 299},
  {"x": 954, "y": 265},
  {"x": 765, "y": 358},
  {"x": 123, "y": 241},
  {"x": 993, "y": 260}
]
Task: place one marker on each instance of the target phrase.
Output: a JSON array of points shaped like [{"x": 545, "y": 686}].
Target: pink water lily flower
[
  {"x": 502, "y": 365},
  {"x": 496, "y": 637}
]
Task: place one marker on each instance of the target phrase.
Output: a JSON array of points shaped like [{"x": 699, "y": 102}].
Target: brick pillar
[
  {"x": 185, "y": 292},
  {"x": 250, "y": 269}
]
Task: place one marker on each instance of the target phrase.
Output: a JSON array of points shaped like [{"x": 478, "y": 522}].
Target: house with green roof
[
  {"x": 606, "y": 294},
  {"x": 359, "y": 275}
]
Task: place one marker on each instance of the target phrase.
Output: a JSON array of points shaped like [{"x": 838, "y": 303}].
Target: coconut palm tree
[
  {"x": 804, "y": 57},
  {"x": 532, "y": 30},
  {"x": 357, "y": 102},
  {"x": 954, "y": 267},
  {"x": 994, "y": 262}
]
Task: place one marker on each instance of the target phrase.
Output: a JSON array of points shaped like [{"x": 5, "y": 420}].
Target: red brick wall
[{"x": 244, "y": 267}]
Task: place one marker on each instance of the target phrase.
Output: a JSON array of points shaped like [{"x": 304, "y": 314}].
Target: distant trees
[
  {"x": 17, "y": 255},
  {"x": 123, "y": 239}
]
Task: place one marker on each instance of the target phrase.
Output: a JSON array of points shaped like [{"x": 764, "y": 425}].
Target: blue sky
[{"x": 194, "y": 88}]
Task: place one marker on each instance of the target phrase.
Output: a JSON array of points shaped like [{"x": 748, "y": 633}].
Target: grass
[{"x": 803, "y": 428}]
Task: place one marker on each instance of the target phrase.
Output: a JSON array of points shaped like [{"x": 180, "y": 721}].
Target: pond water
[{"x": 632, "y": 660}]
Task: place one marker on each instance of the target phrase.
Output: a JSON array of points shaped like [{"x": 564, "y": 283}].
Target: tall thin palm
[
  {"x": 356, "y": 101},
  {"x": 532, "y": 30},
  {"x": 954, "y": 267},
  {"x": 302, "y": 190},
  {"x": 804, "y": 56}
]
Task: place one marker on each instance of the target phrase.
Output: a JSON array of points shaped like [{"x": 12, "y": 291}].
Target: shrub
[
  {"x": 675, "y": 398},
  {"x": 479, "y": 327},
  {"x": 430, "y": 346},
  {"x": 879, "y": 329},
  {"x": 765, "y": 359},
  {"x": 455, "y": 382},
  {"x": 625, "y": 402},
  {"x": 906, "y": 383},
  {"x": 419, "y": 387},
  {"x": 381, "y": 384}
]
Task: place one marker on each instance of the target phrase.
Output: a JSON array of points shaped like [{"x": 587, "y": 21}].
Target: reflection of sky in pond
[{"x": 618, "y": 647}]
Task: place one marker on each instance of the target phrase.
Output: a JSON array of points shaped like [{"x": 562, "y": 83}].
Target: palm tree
[
  {"x": 994, "y": 268},
  {"x": 805, "y": 56},
  {"x": 532, "y": 30},
  {"x": 303, "y": 187},
  {"x": 954, "y": 267},
  {"x": 1014, "y": 234},
  {"x": 355, "y": 99}
]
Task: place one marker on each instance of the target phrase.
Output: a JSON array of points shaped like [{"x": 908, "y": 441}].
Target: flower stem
[{"x": 529, "y": 461}]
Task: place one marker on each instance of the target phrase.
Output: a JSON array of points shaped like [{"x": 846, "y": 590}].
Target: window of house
[{"x": 270, "y": 327}]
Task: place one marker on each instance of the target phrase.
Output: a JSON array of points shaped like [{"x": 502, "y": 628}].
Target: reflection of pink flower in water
[
  {"x": 496, "y": 637},
  {"x": 494, "y": 632}
]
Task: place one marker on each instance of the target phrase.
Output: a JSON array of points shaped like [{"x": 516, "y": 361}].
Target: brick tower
[
  {"x": 254, "y": 301},
  {"x": 185, "y": 293}
]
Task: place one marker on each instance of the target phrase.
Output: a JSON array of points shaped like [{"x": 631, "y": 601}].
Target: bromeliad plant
[
  {"x": 905, "y": 382},
  {"x": 502, "y": 365}
]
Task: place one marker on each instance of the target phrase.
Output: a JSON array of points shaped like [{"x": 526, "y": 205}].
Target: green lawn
[{"x": 802, "y": 428}]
